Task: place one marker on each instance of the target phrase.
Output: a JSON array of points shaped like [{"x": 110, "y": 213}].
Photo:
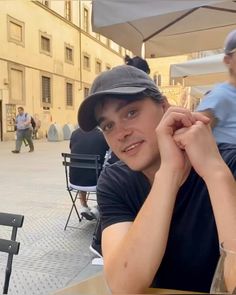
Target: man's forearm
[
  {"x": 222, "y": 189},
  {"x": 130, "y": 268}
]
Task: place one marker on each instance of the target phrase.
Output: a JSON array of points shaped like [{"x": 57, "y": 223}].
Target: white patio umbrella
[
  {"x": 200, "y": 91},
  {"x": 201, "y": 71},
  {"x": 166, "y": 27}
]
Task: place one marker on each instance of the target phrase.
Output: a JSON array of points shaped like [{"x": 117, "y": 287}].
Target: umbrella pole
[{"x": 143, "y": 50}]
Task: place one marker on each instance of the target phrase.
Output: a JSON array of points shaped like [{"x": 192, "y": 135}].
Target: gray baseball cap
[
  {"x": 230, "y": 43},
  {"x": 117, "y": 81}
]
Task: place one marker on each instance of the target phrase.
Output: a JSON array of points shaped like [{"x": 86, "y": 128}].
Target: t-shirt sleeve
[
  {"x": 215, "y": 103},
  {"x": 111, "y": 196}
]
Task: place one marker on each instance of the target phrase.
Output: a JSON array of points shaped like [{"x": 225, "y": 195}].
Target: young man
[
  {"x": 23, "y": 130},
  {"x": 162, "y": 220},
  {"x": 220, "y": 104}
]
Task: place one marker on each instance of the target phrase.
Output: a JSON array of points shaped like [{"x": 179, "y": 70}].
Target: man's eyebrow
[
  {"x": 122, "y": 104},
  {"x": 100, "y": 120}
]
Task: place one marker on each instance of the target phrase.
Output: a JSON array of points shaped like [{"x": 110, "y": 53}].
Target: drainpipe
[{"x": 80, "y": 47}]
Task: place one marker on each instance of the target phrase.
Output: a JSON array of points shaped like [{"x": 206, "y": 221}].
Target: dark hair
[
  {"x": 137, "y": 62},
  {"x": 155, "y": 96}
]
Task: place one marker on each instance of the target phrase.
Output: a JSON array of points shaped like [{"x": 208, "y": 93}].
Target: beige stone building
[
  {"x": 47, "y": 63},
  {"x": 49, "y": 57},
  {"x": 160, "y": 72}
]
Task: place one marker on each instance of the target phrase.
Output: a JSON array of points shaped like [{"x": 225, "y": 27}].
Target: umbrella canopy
[
  {"x": 201, "y": 71},
  {"x": 200, "y": 91},
  {"x": 166, "y": 27}
]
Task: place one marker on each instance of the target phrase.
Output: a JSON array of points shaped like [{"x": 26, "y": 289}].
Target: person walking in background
[
  {"x": 23, "y": 130},
  {"x": 36, "y": 124},
  {"x": 161, "y": 207},
  {"x": 92, "y": 143},
  {"x": 220, "y": 103}
]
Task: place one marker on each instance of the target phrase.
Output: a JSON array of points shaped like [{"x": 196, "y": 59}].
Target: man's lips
[{"x": 132, "y": 146}]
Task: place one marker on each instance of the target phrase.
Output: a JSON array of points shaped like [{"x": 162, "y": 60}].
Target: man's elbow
[
  {"x": 122, "y": 282},
  {"x": 211, "y": 116}
]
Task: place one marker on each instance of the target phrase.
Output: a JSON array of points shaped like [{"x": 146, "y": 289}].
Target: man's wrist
[
  {"x": 216, "y": 172},
  {"x": 169, "y": 177}
]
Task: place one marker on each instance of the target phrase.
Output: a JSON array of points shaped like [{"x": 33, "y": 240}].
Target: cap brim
[{"x": 86, "y": 116}]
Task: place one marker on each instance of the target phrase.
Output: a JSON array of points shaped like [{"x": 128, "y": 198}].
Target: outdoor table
[{"x": 96, "y": 285}]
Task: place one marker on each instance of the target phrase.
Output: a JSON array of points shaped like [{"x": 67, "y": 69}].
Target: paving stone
[{"x": 33, "y": 184}]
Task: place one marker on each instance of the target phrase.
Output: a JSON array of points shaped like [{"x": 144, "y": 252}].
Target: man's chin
[{"x": 134, "y": 166}]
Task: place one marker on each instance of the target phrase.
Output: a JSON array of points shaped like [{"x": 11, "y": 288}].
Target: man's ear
[
  {"x": 227, "y": 59},
  {"x": 165, "y": 103}
]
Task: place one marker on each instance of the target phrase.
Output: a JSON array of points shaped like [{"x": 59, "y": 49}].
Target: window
[
  {"x": 86, "y": 92},
  {"x": 17, "y": 84},
  {"x": 98, "y": 67},
  {"x": 46, "y": 90},
  {"x": 16, "y": 31},
  {"x": 157, "y": 79},
  {"x": 108, "y": 67},
  {"x": 46, "y": 3},
  {"x": 68, "y": 9},
  {"x": 86, "y": 20},
  {"x": 86, "y": 61},
  {"x": 69, "y": 94},
  {"x": 45, "y": 43},
  {"x": 69, "y": 54}
]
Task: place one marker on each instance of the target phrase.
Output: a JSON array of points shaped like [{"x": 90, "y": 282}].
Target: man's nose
[{"x": 123, "y": 131}]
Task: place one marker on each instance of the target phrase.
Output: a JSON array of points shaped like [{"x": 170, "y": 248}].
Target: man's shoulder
[
  {"x": 119, "y": 181},
  {"x": 221, "y": 89},
  {"x": 118, "y": 167},
  {"x": 117, "y": 172}
]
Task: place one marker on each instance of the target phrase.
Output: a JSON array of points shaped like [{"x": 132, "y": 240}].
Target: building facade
[{"x": 49, "y": 57}]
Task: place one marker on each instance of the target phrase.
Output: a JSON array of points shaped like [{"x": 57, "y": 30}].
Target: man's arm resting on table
[
  {"x": 133, "y": 251},
  {"x": 222, "y": 189}
]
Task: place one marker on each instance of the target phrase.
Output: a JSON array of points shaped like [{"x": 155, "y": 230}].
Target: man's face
[
  {"x": 129, "y": 128},
  {"x": 20, "y": 111}
]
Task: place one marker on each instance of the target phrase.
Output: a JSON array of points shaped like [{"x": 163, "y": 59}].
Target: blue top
[
  {"x": 221, "y": 101},
  {"x": 192, "y": 250},
  {"x": 20, "y": 121}
]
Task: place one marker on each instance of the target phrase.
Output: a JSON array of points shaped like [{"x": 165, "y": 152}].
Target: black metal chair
[
  {"x": 80, "y": 161},
  {"x": 10, "y": 246}
]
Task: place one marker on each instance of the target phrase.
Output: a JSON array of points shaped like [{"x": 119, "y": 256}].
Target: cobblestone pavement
[{"x": 33, "y": 184}]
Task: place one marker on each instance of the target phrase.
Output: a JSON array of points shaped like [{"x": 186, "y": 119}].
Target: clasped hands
[{"x": 185, "y": 139}]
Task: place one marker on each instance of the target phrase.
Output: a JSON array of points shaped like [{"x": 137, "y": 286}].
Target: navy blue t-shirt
[
  {"x": 92, "y": 143},
  {"x": 192, "y": 250}
]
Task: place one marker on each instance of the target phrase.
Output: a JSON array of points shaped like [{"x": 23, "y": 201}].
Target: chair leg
[
  {"x": 73, "y": 207},
  {"x": 8, "y": 273},
  {"x": 87, "y": 195}
]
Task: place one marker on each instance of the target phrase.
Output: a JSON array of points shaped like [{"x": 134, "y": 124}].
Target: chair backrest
[
  {"x": 81, "y": 161},
  {"x": 10, "y": 246}
]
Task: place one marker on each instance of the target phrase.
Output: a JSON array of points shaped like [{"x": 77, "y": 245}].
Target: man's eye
[
  {"x": 107, "y": 127},
  {"x": 132, "y": 113}
]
